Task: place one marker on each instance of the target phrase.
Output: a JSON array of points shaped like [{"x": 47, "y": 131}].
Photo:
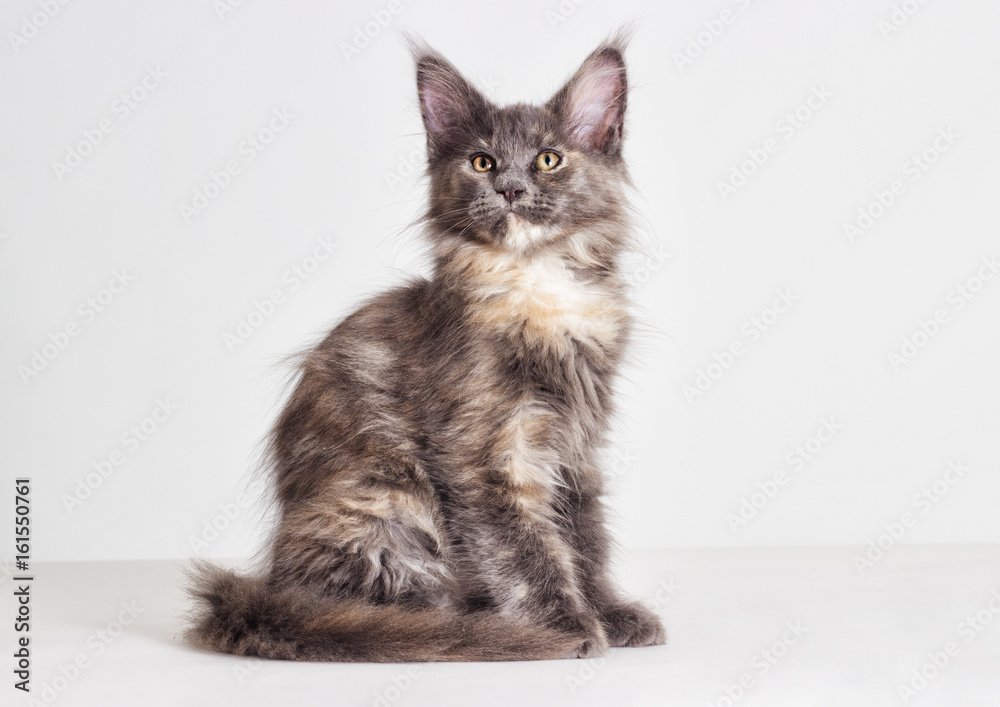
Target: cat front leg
[
  {"x": 503, "y": 495},
  {"x": 529, "y": 571},
  {"x": 626, "y": 622}
]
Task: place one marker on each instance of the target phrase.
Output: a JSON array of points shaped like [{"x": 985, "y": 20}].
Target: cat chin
[{"x": 522, "y": 234}]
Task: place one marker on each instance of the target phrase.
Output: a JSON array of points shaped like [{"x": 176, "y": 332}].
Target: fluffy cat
[{"x": 436, "y": 467}]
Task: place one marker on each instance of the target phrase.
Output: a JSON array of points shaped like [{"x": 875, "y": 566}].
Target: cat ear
[
  {"x": 447, "y": 100},
  {"x": 591, "y": 105}
]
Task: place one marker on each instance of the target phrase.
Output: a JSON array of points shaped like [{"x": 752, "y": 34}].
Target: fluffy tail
[{"x": 241, "y": 615}]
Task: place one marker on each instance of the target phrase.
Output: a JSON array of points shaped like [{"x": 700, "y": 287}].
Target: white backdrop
[{"x": 190, "y": 191}]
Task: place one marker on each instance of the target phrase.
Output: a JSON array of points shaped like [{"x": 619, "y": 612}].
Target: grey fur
[{"x": 436, "y": 467}]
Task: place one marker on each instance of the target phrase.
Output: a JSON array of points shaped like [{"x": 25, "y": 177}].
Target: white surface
[
  {"x": 713, "y": 263},
  {"x": 861, "y": 637}
]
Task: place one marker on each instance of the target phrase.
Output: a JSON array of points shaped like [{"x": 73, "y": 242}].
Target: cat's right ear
[{"x": 447, "y": 100}]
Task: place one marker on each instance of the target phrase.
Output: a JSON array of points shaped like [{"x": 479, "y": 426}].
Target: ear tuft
[{"x": 592, "y": 104}]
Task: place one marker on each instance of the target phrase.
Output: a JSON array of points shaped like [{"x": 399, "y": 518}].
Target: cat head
[{"x": 522, "y": 178}]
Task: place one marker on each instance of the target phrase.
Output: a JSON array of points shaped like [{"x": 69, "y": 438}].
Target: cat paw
[
  {"x": 632, "y": 624},
  {"x": 591, "y": 642}
]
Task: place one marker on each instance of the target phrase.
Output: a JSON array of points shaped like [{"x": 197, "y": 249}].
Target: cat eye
[
  {"x": 482, "y": 163},
  {"x": 547, "y": 161}
]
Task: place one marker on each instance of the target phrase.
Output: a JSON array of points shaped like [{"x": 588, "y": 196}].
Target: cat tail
[{"x": 240, "y": 614}]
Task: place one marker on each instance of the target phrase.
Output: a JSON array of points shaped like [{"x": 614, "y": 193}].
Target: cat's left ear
[{"x": 591, "y": 105}]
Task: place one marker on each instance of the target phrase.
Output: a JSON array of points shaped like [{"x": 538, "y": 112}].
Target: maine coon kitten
[{"x": 436, "y": 467}]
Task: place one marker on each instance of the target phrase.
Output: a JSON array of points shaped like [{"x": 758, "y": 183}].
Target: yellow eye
[
  {"x": 482, "y": 163},
  {"x": 547, "y": 161}
]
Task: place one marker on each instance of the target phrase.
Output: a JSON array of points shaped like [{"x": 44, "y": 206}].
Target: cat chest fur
[
  {"x": 564, "y": 329},
  {"x": 546, "y": 301}
]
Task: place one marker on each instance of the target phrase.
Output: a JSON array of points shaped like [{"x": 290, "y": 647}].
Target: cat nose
[{"x": 512, "y": 194}]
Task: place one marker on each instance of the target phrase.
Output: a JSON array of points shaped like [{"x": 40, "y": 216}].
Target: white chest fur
[{"x": 547, "y": 300}]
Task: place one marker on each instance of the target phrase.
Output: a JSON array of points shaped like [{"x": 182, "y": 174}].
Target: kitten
[{"x": 436, "y": 467}]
